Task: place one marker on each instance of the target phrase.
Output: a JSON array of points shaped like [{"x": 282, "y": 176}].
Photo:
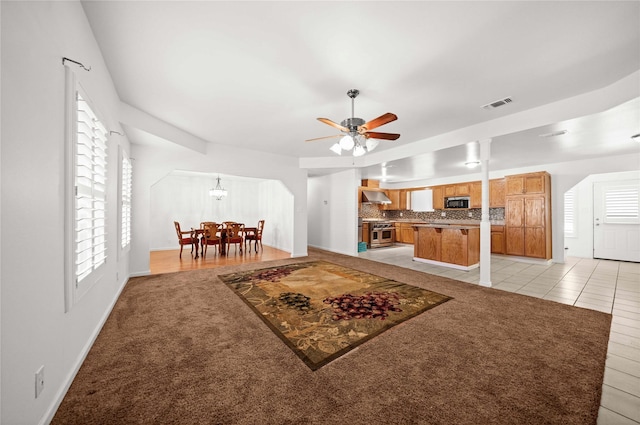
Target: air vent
[{"x": 497, "y": 103}]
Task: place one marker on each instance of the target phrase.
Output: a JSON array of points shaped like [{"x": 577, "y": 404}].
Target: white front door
[{"x": 616, "y": 216}]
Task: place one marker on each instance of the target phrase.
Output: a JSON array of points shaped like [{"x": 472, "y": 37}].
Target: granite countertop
[
  {"x": 452, "y": 222},
  {"x": 435, "y": 222},
  {"x": 447, "y": 226}
]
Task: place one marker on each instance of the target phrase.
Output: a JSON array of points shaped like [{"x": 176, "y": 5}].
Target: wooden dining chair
[
  {"x": 211, "y": 235},
  {"x": 183, "y": 240},
  {"x": 202, "y": 223},
  {"x": 235, "y": 235},
  {"x": 255, "y": 236}
]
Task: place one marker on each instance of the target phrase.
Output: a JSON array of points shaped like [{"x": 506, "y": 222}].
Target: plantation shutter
[
  {"x": 90, "y": 190},
  {"x": 569, "y": 212},
  {"x": 127, "y": 174},
  {"x": 621, "y": 204}
]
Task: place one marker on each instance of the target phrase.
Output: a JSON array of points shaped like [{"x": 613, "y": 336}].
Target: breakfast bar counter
[{"x": 456, "y": 246}]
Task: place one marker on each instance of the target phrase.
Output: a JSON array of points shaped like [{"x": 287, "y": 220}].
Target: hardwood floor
[{"x": 169, "y": 261}]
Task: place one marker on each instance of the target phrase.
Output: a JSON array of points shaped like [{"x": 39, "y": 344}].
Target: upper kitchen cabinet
[
  {"x": 396, "y": 201},
  {"x": 400, "y": 199},
  {"x": 497, "y": 193},
  {"x": 460, "y": 189},
  {"x": 438, "y": 197},
  {"x": 474, "y": 191},
  {"x": 475, "y": 195},
  {"x": 521, "y": 184}
]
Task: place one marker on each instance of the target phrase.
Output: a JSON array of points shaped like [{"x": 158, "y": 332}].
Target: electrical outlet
[
  {"x": 470, "y": 214},
  {"x": 39, "y": 380},
  {"x": 400, "y": 214},
  {"x": 443, "y": 214}
]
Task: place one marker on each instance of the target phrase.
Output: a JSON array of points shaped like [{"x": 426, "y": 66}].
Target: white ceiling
[{"x": 257, "y": 74}]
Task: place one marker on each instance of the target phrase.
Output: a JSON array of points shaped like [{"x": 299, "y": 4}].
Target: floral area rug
[{"x": 322, "y": 310}]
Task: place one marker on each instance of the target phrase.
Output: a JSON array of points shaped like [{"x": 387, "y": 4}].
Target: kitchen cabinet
[
  {"x": 454, "y": 245},
  {"x": 405, "y": 199},
  {"x": 438, "y": 197},
  {"x": 428, "y": 243},
  {"x": 496, "y": 193},
  {"x": 528, "y": 216},
  {"x": 475, "y": 195},
  {"x": 497, "y": 239},
  {"x": 394, "y": 196},
  {"x": 404, "y": 232},
  {"x": 528, "y": 184},
  {"x": 366, "y": 236},
  {"x": 461, "y": 246},
  {"x": 460, "y": 189}
]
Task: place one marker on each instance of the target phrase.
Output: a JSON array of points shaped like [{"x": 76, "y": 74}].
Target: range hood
[{"x": 375, "y": 197}]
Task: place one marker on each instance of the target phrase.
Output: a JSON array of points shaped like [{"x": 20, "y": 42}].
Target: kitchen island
[{"x": 456, "y": 246}]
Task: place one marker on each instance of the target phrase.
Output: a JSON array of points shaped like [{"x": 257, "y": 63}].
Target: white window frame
[{"x": 86, "y": 193}]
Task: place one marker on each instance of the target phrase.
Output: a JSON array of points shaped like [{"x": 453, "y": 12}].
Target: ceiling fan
[{"x": 359, "y": 136}]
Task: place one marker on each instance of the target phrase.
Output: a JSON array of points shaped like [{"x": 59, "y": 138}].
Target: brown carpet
[{"x": 182, "y": 348}]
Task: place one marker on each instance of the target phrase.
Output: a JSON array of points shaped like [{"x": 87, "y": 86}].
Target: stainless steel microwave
[{"x": 461, "y": 202}]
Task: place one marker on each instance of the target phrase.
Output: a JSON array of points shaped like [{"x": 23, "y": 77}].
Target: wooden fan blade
[
  {"x": 384, "y": 136},
  {"x": 325, "y": 137},
  {"x": 333, "y": 124},
  {"x": 377, "y": 122}
]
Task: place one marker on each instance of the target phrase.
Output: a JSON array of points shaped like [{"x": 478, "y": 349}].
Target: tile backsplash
[{"x": 371, "y": 211}]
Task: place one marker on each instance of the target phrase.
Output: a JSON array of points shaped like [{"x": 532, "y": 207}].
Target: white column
[{"x": 485, "y": 224}]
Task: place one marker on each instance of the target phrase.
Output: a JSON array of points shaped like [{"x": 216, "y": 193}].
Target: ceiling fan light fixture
[
  {"x": 336, "y": 148},
  {"x": 347, "y": 142},
  {"x": 359, "y": 150},
  {"x": 372, "y": 144}
]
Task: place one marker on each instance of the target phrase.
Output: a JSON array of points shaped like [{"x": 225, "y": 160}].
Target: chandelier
[{"x": 218, "y": 192}]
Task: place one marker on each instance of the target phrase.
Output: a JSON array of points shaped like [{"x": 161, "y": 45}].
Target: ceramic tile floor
[{"x": 603, "y": 285}]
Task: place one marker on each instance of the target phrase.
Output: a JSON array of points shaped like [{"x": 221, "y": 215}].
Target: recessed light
[
  {"x": 554, "y": 133},
  {"x": 636, "y": 137},
  {"x": 472, "y": 164}
]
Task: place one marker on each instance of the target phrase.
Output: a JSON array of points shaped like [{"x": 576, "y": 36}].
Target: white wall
[
  {"x": 286, "y": 212},
  {"x": 581, "y": 245},
  {"x": 333, "y": 212},
  {"x": 35, "y": 330},
  {"x": 185, "y": 198}
]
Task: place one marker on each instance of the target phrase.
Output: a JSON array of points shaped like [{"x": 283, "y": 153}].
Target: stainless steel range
[{"x": 383, "y": 233}]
